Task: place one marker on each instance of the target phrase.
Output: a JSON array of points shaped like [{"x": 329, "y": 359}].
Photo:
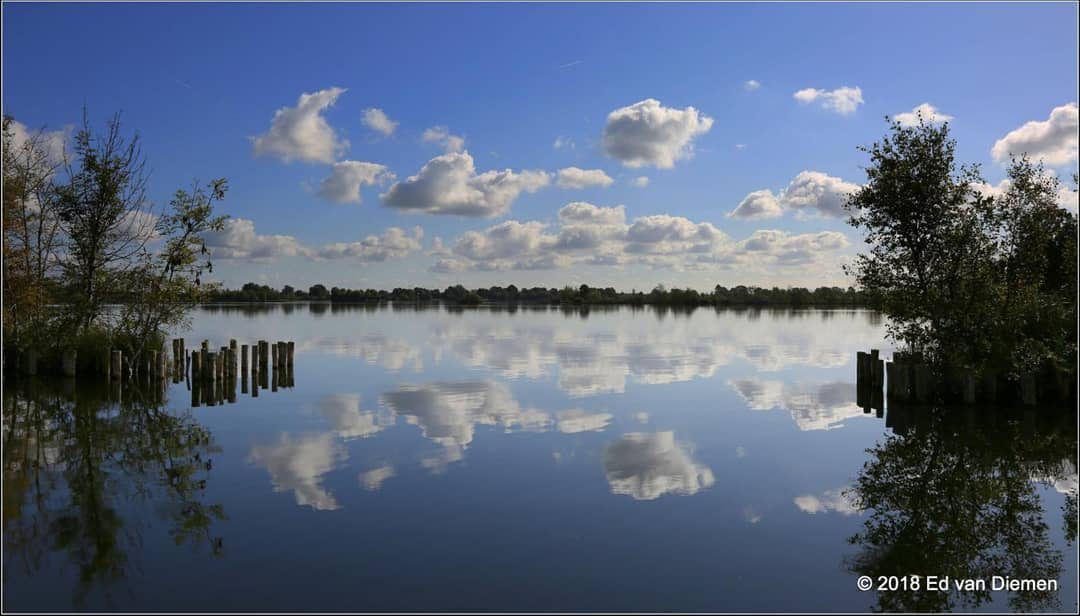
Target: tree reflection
[
  {"x": 76, "y": 462},
  {"x": 954, "y": 493}
]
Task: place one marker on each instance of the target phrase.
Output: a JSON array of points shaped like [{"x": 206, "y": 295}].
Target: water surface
[{"x": 530, "y": 459}]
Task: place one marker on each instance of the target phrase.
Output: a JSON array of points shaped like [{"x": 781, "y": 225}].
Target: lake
[{"x": 530, "y": 459}]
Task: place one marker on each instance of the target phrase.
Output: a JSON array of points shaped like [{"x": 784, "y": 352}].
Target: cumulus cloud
[
  {"x": 640, "y": 181},
  {"x": 574, "y": 177},
  {"x": 378, "y": 121},
  {"x": 372, "y": 480},
  {"x": 832, "y": 500},
  {"x": 843, "y": 100},
  {"x": 441, "y": 135},
  {"x": 809, "y": 191},
  {"x": 238, "y": 240},
  {"x": 758, "y": 204},
  {"x": 647, "y": 466},
  {"x": 297, "y": 465},
  {"x": 448, "y": 413},
  {"x": 48, "y": 145},
  {"x": 595, "y": 235},
  {"x": 346, "y": 177},
  {"x": 394, "y": 243},
  {"x": 1053, "y": 141},
  {"x": 449, "y": 184},
  {"x": 926, "y": 111},
  {"x": 823, "y": 406},
  {"x": 302, "y": 133},
  {"x": 577, "y": 420},
  {"x": 752, "y": 85},
  {"x": 343, "y": 413},
  {"x": 647, "y": 133}
]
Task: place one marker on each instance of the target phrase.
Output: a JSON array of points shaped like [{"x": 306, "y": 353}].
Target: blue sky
[{"x": 202, "y": 83}]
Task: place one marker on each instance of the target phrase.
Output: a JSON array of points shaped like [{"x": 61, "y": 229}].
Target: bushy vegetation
[
  {"x": 80, "y": 234},
  {"x": 966, "y": 277},
  {"x": 584, "y": 294}
]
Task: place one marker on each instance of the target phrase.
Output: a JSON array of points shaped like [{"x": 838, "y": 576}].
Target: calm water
[{"x": 530, "y": 460}]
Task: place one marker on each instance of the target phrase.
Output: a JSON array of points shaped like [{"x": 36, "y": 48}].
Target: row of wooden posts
[
  {"x": 214, "y": 377},
  {"x": 907, "y": 378}
]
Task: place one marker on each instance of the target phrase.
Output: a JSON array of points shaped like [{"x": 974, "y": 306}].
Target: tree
[
  {"x": 31, "y": 230},
  {"x": 163, "y": 286},
  {"x": 929, "y": 261},
  {"x": 318, "y": 291},
  {"x": 104, "y": 215}
]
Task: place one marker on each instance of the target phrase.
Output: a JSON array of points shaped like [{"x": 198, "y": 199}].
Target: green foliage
[{"x": 965, "y": 279}]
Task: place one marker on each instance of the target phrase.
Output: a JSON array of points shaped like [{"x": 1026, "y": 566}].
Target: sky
[{"x": 624, "y": 145}]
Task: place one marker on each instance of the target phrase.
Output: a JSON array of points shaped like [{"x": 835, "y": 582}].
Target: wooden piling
[
  {"x": 116, "y": 364},
  {"x": 244, "y": 360},
  {"x": 68, "y": 362},
  {"x": 291, "y": 349}
]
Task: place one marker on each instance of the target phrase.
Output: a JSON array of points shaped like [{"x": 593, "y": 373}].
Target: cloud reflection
[
  {"x": 299, "y": 464},
  {"x": 812, "y": 407},
  {"x": 646, "y": 466}
]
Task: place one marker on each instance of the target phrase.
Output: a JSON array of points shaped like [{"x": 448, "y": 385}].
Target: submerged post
[
  {"x": 116, "y": 363},
  {"x": 68, "y": 362}
]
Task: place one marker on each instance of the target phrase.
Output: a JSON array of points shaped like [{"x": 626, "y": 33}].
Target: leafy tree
[
  {"x": 965, "y": 278},
  {"x": 31, "y": 232},
  {"x": 163, "y": 286},
  {"x": 104, "y": 215}
]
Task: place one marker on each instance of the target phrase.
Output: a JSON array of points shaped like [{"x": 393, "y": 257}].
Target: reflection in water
[
  {"x": 813, "y": 407},
  {"x": 952, "y": 493},
  {"x": 448, "y": 413},
  {"x": 299, "y": 464},
  {"x": 77, "y": 463},
  {"x": 342, "y": 412},
  {"x": 577, "y": 420},
  {"x": 596, "y": 360},
  {"x": 372, "y": 480},
  {"x": 648, "y": 465},
  {"x": 836, "y": 500}
]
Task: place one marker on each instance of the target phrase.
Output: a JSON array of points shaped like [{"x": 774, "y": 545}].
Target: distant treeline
[{"x": 584, "y": 294}]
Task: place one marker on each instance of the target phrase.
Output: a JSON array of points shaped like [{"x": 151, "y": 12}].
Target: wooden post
[
  {"x": 967, "y": 385},
  {"x": 244, "y": 360},
  {"x": 116, "y": 364},
  {"x": 292, "y": 348},
  {"x": 153, "y": 365},
  {"x": 68, "y": 362},
  {"x": 274, "y": 355},
  {"x": 1028, "y": 394}
]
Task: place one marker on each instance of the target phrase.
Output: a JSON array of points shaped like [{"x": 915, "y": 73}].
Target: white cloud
[
  {"x": 647, "y": 133},
  {"x": 48, "y": 145},
  {"x": 758, "y": 204},
  {"x": 394, "y": 243},
  {"x": 372, "y": 480},
  {"x": 843, "y": 100},
  {"x": 1066, "y": 196},
  {"x": 640, "y": 181},
  {"x": 343, "y": 413},
  {"x": 378, "y": 121},
  {"x": 238, "y": 240},
  {"x": 298, "y": 465},
  {"x": 823, "y": 406},
  {"x": 580, "y": 212},
  {"x": 832, "y": 500},
  {"x": 926, "y": 111},
  {"x": 346, "y": 177},
  {"x": 574, "y": 177},
  {"x": 809, "y": 191},
  {"x": 577, "y": 420},
  {"x": 441, "y": 135},
  {"x": 1053, "y": 141},
  {"x": 449, "y": 184},
  {"x": 563, "y": 142},
  {"x": 752, "y": 85},
  {"x": 647, "y": 466},
  {"x": 302, "y": 133}
]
